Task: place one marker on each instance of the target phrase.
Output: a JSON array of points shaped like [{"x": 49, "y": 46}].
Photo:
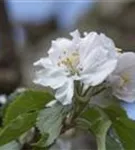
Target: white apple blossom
[
  {"x": 89, "y": 59},
  {"x": 3, "y": 99},
  {"x": 123, "y": 78}
]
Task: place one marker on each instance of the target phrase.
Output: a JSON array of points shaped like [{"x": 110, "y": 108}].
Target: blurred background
[{"x": 28, "y": 26}]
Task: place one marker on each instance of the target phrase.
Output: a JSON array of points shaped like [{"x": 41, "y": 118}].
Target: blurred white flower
[
  {"x": 123, "y": 78},
  {"x": 89, "y": 59},
  {"x": 3, "y": 99}
]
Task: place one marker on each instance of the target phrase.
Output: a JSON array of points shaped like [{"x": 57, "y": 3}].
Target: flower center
[
  {"x": 70, "y": 61},
  {"x": 124, "y": 80}
]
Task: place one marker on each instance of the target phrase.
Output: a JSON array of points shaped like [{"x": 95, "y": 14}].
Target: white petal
[
  {"x": 87, "y": 44},
  {"x": 3, "y": 99},
  {"x": 122, "y": 79},
  {"x": 126, "y": 60},
  {"x": 50, "y": 77},
  {"x": 43, "y": 62},
  {"x": 61, "y": 44},
  {"x": 125, "y": 95},
  {"x": 58, "y": 81},
  {"x": 58, "y": 47},
  {"x": 94, "y": 59},
  {"x": 76, "y": 36},
  {"x": 97, "y": 66},
  {"x": 65, "y": 93},
  {"x": 107, "y": 42},
  {"x": 99, "y": 76}
]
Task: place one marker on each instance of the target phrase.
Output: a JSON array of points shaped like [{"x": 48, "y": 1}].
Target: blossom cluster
[{"x": 92, "y": 60}]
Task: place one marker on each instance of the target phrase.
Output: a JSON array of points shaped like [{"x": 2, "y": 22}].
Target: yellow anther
[
  {"x": 124, "y": 80},
  {"x": 71, "y": 62},
  {"x": 119, "y": 50}
]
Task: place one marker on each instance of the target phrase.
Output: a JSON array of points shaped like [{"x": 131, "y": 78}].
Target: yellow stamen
[
  {"x": 125, "y": 80},
  {"x": 119, "y": 50},
  {"x": 71, "y": 62}
]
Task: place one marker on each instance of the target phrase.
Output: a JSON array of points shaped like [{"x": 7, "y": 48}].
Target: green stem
[
  {"x": 97, "y": 92},
  {"x": 87, "y": 91},
  {"x": 101, "y": 138},
  {"x": 101, "y": 142}
]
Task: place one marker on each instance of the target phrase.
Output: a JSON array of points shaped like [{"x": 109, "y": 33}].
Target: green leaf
[
  {"x": 40, "y": 148},
  {"x": 17, "y": 127},
  {"x": 49, "y": 122},
  {"x": 11, "y": 146},
  {"x": 125, "y": 129},
  {"x": 115, "y": 111},
  {"x": 112, "y": 144},
  {"x": 26, "y": 102},
  {"x": 122, "y": 126},
  {"x": 94, "y": 120}
]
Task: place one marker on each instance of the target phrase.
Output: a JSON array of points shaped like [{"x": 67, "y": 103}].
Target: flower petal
[
  {"x": 58, "y": 48},
  {"x": 50, "y": 77},
  {"x": 87, "y": 44},
  {"x": 123, "y": 59},
  {"x": 76, "y": 36},
  {"x": 107, "y": 42},
  {"x": 97, "y": 66},
  {"x": 43, "y": 62},
  {"x": 57, "y": 80},
  {"x": 122, "y": 80},
  {"x": 65, "y": 93}
]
